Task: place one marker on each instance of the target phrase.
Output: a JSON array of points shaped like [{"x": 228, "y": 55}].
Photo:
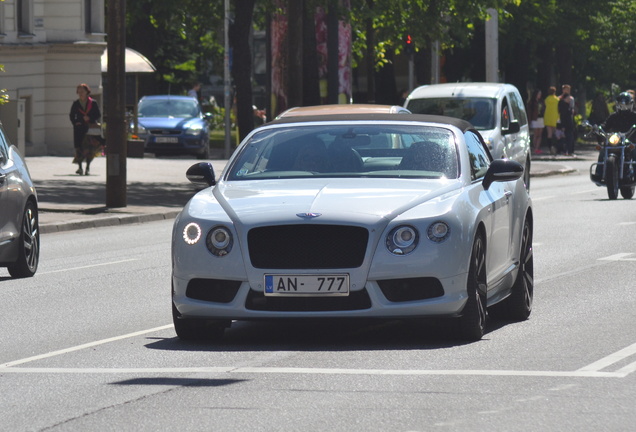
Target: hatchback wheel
[{"x": 29, "y": 247}]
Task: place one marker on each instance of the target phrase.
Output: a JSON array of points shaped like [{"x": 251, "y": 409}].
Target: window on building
[
  {"x": 94, "y": 16},
  {"x": 24, "y": 16}
]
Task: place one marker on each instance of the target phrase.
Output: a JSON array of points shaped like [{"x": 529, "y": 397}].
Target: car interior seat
[
  {"x": 312, "y": 156},
  {"x": 425, "y": 156},
  {"x": 343, "y": 157}
]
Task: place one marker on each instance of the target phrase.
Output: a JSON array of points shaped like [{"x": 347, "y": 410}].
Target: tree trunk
[
  {"x": 295, "y": 10},
  {"x": 240, "y": 32},
  {"x": 370, "y": 54}
]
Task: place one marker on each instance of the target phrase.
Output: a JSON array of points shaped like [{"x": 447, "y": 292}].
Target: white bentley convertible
[{"x": 359, "y": 215}]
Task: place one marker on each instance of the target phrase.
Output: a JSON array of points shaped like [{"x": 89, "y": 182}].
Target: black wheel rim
[
  {"x": 479, "y": 263},
  {"x": 30, "y": 235},
  {"x": 527, "y": 266}
]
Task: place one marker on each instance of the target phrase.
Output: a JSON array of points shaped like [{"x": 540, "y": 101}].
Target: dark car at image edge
[{"x": 19, "y": 227}]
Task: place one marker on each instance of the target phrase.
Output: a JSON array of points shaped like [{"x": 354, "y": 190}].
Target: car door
[
  {"x": 496, "y": 202},
  {"x": 8, "y": 202}
]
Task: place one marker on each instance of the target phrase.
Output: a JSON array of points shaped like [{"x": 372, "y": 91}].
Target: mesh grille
[{"x": 307, "y": 246}]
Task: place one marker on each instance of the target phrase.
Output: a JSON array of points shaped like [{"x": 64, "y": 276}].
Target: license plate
[
  {"x": 167, "y": 140},
  {"x": 307, "y": 285}
]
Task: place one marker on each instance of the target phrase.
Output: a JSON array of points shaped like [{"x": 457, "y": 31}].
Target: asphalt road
[{"x": 87, "y": 344}]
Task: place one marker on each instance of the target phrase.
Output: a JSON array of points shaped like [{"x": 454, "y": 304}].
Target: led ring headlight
[{"x": 191, "y": 233}]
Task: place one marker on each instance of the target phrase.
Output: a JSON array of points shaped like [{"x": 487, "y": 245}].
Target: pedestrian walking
[
  {"x": 85, "y": 116},
  {"x": 536, "y": 112}
]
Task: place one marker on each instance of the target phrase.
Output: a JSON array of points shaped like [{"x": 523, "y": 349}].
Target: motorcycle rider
[
  {"x": 624, "y": 117},
  {"x": 621, "y": 120}
]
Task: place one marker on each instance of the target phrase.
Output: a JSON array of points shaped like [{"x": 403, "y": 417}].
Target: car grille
[
  {"x": 162, "y": 132},
  {"x": 356, "y": 300},
  {"x": 212, "y": 290},
  {"x": 307, "y": 246},
  {"x": 401, "y": 290}
]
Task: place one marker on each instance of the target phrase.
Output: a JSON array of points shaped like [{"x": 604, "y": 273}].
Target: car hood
[
  {"x": 359, "y": 201},
  {"x": 167, "y": 122}
]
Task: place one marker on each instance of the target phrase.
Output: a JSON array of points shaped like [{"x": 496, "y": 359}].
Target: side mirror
[
  {"x": 502, "y": 170},
  {"x": 201, "y": 174},
  {"x": 513, "y": 128}
]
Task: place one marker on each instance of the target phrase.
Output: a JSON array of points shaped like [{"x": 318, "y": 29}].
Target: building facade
[{"x": 47, "y": 48}]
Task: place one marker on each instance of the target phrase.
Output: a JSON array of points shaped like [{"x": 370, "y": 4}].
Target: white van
[{"x": 496, "y": 110}]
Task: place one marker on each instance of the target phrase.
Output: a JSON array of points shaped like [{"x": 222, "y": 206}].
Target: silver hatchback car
[{"x": 19, "y": 230}]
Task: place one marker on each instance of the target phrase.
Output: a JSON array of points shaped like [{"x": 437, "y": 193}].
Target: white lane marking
[
  {"x": 627, "y": 223},
  {"x": 542, "y": 198},
  {"x": 627, "y": 369},
  {"x": 618, "y": 257},
  {"x": 313, "y": 371},
  {"x": 611, "y": 359},
  {"x": 88, "y": 266},
  {"x": 586, "y": 191},
  {"x": 81, "y": 347},
  {"x": 592, "y": 370}
]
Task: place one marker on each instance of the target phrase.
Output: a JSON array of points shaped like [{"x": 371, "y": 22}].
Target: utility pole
[
  {"x": 227, "y": 103},
  {"x": 492, "y": 46},
  {"x": 116, "y": 106}
]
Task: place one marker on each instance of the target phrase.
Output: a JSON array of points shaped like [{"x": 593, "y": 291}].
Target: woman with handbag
[{"x": 85, "y": 117}]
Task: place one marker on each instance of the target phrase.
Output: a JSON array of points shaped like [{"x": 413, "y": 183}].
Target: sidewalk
[{"x": 157, "y": 190}]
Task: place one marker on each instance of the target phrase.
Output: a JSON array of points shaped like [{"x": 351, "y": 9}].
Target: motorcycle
[{"x": 616, "y": 167}]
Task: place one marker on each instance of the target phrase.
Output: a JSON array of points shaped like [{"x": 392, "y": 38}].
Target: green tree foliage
[{"x": 183, "y": 39}]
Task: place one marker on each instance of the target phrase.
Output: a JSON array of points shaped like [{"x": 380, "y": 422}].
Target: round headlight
[
  {"x": 614, "y": 139},
  {"x": 219, "y": 241},
  {"x": 191, "y": 233},
  {"x": 402, "y": 240},
  {"x": 438, "y": 232}
]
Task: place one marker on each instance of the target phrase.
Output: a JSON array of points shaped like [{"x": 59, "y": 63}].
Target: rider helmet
[{"x": 624, "y": 102}]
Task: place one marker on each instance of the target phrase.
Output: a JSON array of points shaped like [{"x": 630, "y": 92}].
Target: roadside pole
[
  {"x": 116, "y": 106},
  {"x": 226, "y": 81}
]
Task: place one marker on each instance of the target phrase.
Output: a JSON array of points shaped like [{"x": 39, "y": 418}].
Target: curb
[{"x": 101, "y": 222}]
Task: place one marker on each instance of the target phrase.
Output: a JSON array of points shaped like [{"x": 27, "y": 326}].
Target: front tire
[
  {"x": 29, "y": 246},
  {"x": 472, "y": 323},
  {"x": 611, "y": 177},
  {"x": 198, "y": 329},
  {"x": 627, "y": 192},
  {"x": 518, "y": 305}
]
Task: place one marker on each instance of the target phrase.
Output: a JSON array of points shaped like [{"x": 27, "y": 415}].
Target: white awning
[{"x": 135, "y": 62}]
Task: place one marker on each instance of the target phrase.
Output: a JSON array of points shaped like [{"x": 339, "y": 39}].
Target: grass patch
[{"x": 217, "y": 138}]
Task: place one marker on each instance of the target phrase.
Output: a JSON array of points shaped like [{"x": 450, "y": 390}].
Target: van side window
[
  {"x": 518, "y": 109},
  {"x": 479, "y": 157},
  {"x": 505, "y": 114}
]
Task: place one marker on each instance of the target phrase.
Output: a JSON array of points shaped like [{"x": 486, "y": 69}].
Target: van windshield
[{"x": 480, "y": 112}]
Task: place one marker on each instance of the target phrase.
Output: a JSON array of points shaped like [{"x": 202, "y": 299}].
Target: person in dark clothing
[
  {"x": 566, "y": 116},
  {"x": 624, "y": 118},
  {"x": 621, "y": 120},
  {"x": 85, "y": 114},
  {"x": 599, "y": 112}
]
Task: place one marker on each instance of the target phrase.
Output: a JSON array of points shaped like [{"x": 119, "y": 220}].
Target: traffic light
[{"x": 409, "y": 46}]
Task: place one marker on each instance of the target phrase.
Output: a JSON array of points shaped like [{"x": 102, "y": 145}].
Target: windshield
[
  {"x": 392, "y": 151},
  {"x": 480, "y": 112},
  {"x": 177, "y": 108}
]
